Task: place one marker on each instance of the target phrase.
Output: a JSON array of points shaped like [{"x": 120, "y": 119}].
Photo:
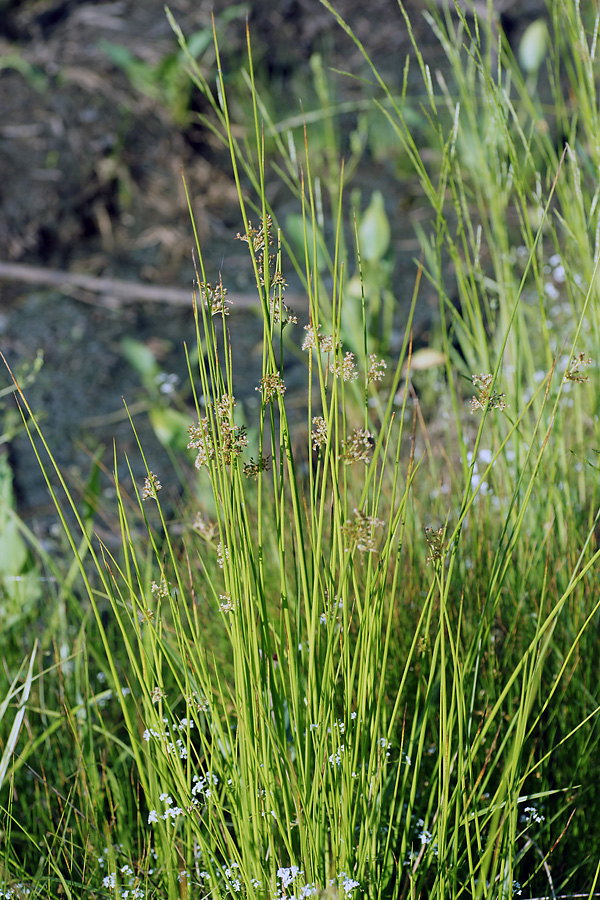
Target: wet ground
[{"x": 92, "y": 144}]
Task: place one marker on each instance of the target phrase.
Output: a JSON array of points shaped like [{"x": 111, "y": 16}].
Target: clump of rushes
[{"x": 308, "y": 690}]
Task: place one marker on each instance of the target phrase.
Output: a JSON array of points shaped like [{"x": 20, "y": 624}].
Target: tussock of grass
[{"x": 373, "y": 668}]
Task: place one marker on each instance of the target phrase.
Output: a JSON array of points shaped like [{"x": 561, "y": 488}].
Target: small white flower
[{"x": 287, "y": 875}]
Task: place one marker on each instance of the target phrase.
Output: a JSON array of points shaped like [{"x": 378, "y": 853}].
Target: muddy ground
[{"x": 90, "y": 182}]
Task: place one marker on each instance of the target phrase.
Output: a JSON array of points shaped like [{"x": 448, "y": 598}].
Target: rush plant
[{"x": 367, "y": 666}]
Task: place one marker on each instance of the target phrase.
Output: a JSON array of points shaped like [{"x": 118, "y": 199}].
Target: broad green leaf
[
  {"x": 533, "y": 46},
  {"x": 16, "y": 726},
  {"x": 13, "y": 549},
  {"x": 139, "y": 356},
  {"x": 374, "y": 229},
  {"x": 170, "y": 427}
]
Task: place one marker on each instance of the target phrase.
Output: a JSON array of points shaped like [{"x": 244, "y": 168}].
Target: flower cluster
[
  {"x": 197, "y": 700},
  {"x": 335, "y": 759},
  {"x": 168, "y": 735},
  {"x": 214, "y": 298},
  {"x": 324, "y": 342},
  {"x": 359, "y": 531},
  {"x": 226, "y": 605},
  {"x": 253, "y": 469},
  {"x": 435, "y": 543},
  {"x": 287, "y": 875},
  {"x": 151, "y": 487},
  {"x": 345, "y": 368},
  {"x": 160, "y": 590},
  {"x": 123, "y": 879},
  {"x": 204, "y": 784},
  {"x": 530, "y": 814},
  {"x": 201, "y": 790},
  {"x": 574, "y": 372},
  {"x": 171, "y": 812},
  {"x": 357, "y": 448},
  {"x": 229, "y": 440},
  {"x": 16, "y": 892},
  {"x": 222, "y": 555},
  {"x": 270, "y": 386},
  {"x": 377, "y": 367},
  {"x": 346, "y": 883},
  {"x": 280, "y": 311},
  {"x": 319, "y": 432},
  {"x": 483, "y": 383},
  {"x": 333, "y": 612},
  {"x": 258, "y": 238}
]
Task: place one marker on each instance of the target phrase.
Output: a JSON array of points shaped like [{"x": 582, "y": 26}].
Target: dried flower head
[
  {"x": 359, "y": 531},
  {"x": 278, "y": 282},
  {"x": 215, "y": 298},
  {"x": 259, "y": 239},
  {"x": 435, "y": 543},
  {"x": 270, "y": 386},
  {"x": 253, "y": 469},
  {"x": 281, "y": 312},
  {"x": 151, "y": 487},
  {"x": 345, "y": 368},
  {"x": 256, "y": 237},
  {"x": 357, "y": 448},
  {"x": 319, "y": 432},
  {"x": 483, "y": 383},
  {"x": 377, "y": 367},
  {"x": 574, "y": 372}
]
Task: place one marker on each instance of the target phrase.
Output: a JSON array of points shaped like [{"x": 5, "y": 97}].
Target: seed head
[
  {"x": 435, "y": 543},
  {"x": 252, "y": 469},
  {"x": 483, "y": 383},
  {"x": 573, "y": 373}
]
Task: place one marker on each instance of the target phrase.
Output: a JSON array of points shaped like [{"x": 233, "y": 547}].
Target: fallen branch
[{"x": 117, "y": 292}]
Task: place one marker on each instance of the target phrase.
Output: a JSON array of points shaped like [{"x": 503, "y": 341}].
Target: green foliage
[{"x": 167, "y": 81}]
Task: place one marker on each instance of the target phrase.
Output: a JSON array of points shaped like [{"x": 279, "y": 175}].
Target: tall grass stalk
[{"x": 364, "y": 675}]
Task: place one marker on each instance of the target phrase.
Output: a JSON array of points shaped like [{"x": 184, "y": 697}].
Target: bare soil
[{"x": 90, "y": 182}]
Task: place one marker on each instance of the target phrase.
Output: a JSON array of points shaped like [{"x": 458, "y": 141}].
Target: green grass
[{"x": 371, "y": 668}]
